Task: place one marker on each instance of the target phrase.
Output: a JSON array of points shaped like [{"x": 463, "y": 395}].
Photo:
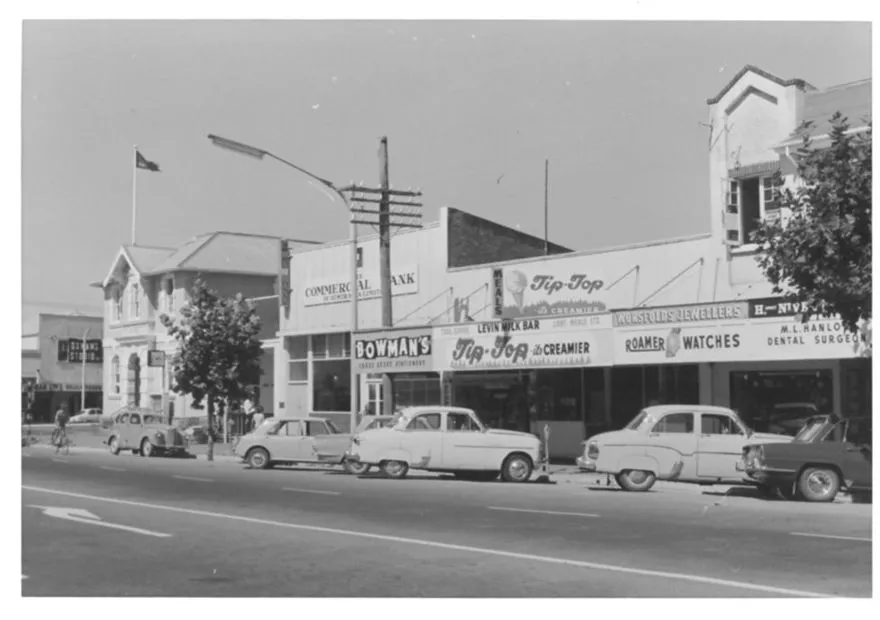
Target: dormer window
[
  {"x": 117, "y": 303},
  {"x": 749, "y": 201},
  {"x": 168, "y": 294},
  {"x": 135, "y": 299}
]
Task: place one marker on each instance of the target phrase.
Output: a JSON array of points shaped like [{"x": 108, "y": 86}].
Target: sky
[{"x": 471, "y": 110}]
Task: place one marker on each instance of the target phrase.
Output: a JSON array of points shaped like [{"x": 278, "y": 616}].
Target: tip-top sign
[{"x": 155, "y": 358}]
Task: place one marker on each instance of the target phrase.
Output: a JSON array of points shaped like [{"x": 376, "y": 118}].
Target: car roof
[
  {"x": 434, "y": 409},
  {"x": 662, "y": 409}
]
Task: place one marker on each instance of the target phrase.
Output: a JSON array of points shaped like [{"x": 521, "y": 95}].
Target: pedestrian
[
  {"x": 60, "y": 432},
  {"x": 258, "y": 416}
]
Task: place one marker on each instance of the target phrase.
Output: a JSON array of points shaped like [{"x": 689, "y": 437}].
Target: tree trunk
[{"x": 210, "y": 427}]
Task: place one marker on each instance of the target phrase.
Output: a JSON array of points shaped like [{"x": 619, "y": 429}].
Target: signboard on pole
[{"x": 156, "y": 358}]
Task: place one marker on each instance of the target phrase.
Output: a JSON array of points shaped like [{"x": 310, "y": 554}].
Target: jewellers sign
[
  {"x": 405, "y": 350},
  {"x": 698, "y": 313},
  {"x": 524, "y": 344},
  {"x": 404, "y": 281}
]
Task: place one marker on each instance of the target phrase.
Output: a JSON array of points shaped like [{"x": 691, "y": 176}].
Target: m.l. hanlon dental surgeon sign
[{"x": 524, "y": 344}]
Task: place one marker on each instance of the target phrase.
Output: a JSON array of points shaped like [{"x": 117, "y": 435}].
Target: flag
[{"x": 143, "y": 162}]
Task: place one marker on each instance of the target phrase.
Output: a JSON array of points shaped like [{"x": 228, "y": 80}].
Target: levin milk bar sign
[
  {"x": 404, "y": 281},
  {"x": 525, "y": 343},
  {"x": 408, "y": 350}
]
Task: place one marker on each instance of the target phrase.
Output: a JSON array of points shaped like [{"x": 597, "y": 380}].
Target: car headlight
[
  {"x": 158, "y": 436},
  {"x": 356, "y": 440},
  {"x": 593, "y": 450}
]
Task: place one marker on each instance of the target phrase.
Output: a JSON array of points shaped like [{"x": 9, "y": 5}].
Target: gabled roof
[
  {"x": 145, "y": 258},
  {"x": 226, "y": 252},
  {"x": 769, "y": 76},
  {"x": 853, "y": 100}
]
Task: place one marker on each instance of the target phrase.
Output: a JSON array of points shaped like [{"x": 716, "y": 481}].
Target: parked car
[
  {"x": 87, "y": 416},
  {"x": 292, "y": 440},
  {"x": 447, "y": 439},
  {"x": 369, "y": 422},
  {"x": 196, "y": 435},
  {"x": 144, "y": 432},
  {"x": 817, "y": 464},
  {"x": 698, "y": 444}
]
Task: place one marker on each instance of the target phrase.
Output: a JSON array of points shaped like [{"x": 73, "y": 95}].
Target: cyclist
[{"x": 60, "y": 433}]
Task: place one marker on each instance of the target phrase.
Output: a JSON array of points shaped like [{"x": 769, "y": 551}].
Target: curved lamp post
[{"x": 258, "y": 153}]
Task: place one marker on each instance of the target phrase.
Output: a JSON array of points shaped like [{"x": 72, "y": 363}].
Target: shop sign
[
  {"x": 404, "y": 281},
  {"x": 394, "y": 351},
  {"x": 786, "y": 339},
  {"x": 540, "y": 291},
  {"x": 497, "y": 293},
  {"x": 771, "y": 307},
  {"x": 697, "y": 313},
  {"x": 524, "y": 344}
]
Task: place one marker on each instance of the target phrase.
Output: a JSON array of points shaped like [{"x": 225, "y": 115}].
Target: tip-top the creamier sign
[
  {"x": 404, "y": 281},
  {"x": 403, "y": 350}
]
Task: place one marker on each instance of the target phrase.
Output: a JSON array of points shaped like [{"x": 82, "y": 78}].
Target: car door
[
  {"x": 289, "y": 442},
  {"x": 328, "y": 444},
  {"x": 423, "y": 440},
  {"x": 120, "y": 428},
  {"x": 719, "y": 446},
  {"x": 672, "y": 441},
  {"x": 465, "y": 446},
  {"x": 131, "y": 434}
]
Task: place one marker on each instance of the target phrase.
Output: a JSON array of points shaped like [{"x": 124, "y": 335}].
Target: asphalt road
[{"x": 218, "y": 529}]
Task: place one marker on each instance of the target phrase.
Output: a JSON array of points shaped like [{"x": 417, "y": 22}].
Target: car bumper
[{"x": 585, "y": 464}]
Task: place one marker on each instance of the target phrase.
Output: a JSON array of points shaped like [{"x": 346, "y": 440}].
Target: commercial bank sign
[{"x": 404, "y": 281}]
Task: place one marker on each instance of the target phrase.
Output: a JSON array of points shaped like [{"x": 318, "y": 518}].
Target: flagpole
[{"x": 134, "y": 196}]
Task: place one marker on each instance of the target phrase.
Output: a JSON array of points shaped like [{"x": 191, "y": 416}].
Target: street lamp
[{"x": 257, "y": 153}]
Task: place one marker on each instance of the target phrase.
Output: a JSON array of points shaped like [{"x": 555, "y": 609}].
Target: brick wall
[{"x": 477, "y": 241}]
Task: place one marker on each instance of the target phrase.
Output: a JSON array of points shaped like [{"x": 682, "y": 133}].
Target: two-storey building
[{"x": 145, "y": 282}]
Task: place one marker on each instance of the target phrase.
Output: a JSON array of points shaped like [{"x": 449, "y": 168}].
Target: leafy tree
[
  {"x": 219, "y": 357},
  {"x": 821, "y": 254}
]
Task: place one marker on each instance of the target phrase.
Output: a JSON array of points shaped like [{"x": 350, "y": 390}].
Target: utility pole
[
  {"x": 546, "y": 207},
  {"x": 388, "y": 213}
]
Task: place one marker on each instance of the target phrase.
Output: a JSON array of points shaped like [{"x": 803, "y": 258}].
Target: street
[{"x": 99, "y": 525}]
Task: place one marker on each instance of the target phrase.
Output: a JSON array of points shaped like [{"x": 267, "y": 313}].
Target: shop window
[
  {"x": 298, "y": 367},
  {"x": 319, "y": 346},
  {"x": 679, "y": 423},
  {"x": 781, "y": 401},
  {"x": 715, "y": 424},
  {"x": 416, "y": 390},
  {"x": 331, "y": 389},
  {"x": 338, "y": 345},
  {"x": 298, "y": 347}
]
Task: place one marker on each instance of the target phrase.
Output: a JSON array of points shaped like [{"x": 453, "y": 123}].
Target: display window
[{"x": 781, "y": 401}]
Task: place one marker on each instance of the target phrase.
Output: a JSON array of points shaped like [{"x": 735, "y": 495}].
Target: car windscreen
[
  {"x": 637, "y": 421},
  {"x": 334, "y": 430},
  {"x": 810, "y": 431}
]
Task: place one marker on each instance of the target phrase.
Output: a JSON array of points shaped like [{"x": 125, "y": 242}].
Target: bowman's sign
[
  {"x": 394, "y": 351},
  {"x": 404, "y": 281}
]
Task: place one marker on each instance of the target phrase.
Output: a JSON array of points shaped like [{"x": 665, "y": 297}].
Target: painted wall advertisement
[
  {"x": 404, "y": 281},
  {"x": 533, "y": 291},
  {"x": 724, "y": 333},
  {"x": 409, "y": 350},
  {"x": 524, "y": 343}
]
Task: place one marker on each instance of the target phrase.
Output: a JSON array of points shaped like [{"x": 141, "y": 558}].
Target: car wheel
[
  {"x": 113, "y": 444},
  {"x": 516, "y": 468},
  {"x": 146, "y": 448},
  {"x": 819, "y": 484},
  {"x": 394, "y": 469},
  {"x": 258, "y": 458},
  {"x": 636, "y": 480},
  {"x": 355, "y": 469}
]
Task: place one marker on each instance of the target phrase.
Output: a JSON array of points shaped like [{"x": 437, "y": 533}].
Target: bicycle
[{"x": 61, "y": 440}]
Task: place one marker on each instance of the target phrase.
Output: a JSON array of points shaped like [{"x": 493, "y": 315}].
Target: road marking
[
  {"x": 543, "y": 512},
  {"x": 193, "y": 478},
  {"x": 643, "y": 572},
  {"x": 108, "y": 468},
  {"x": 312, "y": 491},
  {"x": 857, "y": 538},
  {"x": 80, "y": 515}
]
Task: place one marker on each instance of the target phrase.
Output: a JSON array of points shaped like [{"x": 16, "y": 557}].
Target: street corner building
[{"x": 580, "y": 341}]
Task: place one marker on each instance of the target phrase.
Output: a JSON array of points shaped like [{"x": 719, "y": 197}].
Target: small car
[
  {"x": 451, "y": 440},
  {"x": 817, "y": 464},
  {"x": 292, "y": 440},
  {"x": 88, "y": 416},
  {"x": 697, "y": 444},
  {"x": 144, "y": 432}
]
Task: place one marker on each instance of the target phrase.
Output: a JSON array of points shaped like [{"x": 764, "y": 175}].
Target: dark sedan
[{"x": 821, "y": 460}]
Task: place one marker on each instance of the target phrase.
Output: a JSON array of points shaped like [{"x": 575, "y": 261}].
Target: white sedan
[
  {"x": 447, "y": 439},
  {"x": 700, "y": 444}
]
